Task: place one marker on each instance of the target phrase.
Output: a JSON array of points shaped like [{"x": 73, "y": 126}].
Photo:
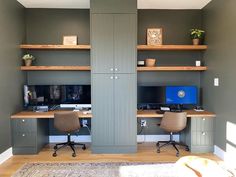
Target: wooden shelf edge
[
  {"x": 55, "y": 68},
  {"x": 172, "y": 47},
  {"x": 56, "y": 47},
  {"x": 172, "y": 68}
]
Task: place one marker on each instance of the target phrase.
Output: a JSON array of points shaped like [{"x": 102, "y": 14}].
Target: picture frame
[
  {"x": 154, "y": 36},
  {"x": 70, "y": 40}
]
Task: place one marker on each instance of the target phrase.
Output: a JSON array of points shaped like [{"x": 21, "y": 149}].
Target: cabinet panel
[
  {"x": 102, "y": 43},
  {"x": 113, "y": 6},
  {"x": 202, "y": 124},
  {"x": 24, "y": 125},
  {"x": 102, "y": 108},
  {"x": 202, "y": 138},
  {"x": 125, "y": 109},
  {"x": 24, "y": 139},
  {"x": 125, "y": 42}
]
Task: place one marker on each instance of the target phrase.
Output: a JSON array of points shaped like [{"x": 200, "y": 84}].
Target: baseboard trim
[
  {"x": 87, "y": 138},
  {"x": 219, "y": 152},
  {"x": 6, "y": 155}
]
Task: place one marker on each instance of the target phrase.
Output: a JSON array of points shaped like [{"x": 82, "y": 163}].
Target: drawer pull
[
  {"x": 111, "y": 69},
  {"x": 203, "y": 133},
  {"x": 23, "y": 135},
  {"x": 203, "y": 119},
  {"x": 116, "y": 69},
  {"x": 23, "y": 120}
]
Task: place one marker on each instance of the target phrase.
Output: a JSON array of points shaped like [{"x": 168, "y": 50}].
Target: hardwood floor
[{"x": 146, "y": 153}]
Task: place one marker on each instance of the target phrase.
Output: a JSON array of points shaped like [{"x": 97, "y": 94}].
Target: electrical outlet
[
  {"x": 216, "y": 82},
  {"x": 84, "y": 122},
  {"x": 143, "y": 123}
]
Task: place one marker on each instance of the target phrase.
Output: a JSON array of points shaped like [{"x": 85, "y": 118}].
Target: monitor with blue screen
[{"x": 182, "y": 95}]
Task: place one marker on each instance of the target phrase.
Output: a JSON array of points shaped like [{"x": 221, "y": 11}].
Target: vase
[
  {"x": 28, "y": 62},
  {"x": 150, "y": 62},
  {"x": 196, "y": 41}
]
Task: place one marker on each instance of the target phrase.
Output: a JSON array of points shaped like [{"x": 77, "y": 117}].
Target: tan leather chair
[
  {"x": 67, "y": 122},
  {"x": 173, "y": 122}
]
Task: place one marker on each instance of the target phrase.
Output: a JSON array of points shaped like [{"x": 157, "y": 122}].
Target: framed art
[
  {"x": 69, "y": 40},
  {"x": 154, "y": 36}
]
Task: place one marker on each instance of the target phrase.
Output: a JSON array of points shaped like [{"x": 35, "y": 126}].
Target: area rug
[{"x": 96, "y": 170}]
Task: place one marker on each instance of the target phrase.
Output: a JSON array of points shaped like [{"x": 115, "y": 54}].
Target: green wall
[
  {"x": 11, "y": 78},
  {"x": 220, "y": 25}
]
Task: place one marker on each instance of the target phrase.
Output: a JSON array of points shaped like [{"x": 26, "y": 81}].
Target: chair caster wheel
[
  {"x": 84, "y": 147},
  {"x": 158, "y": 151},
  {"x": 177, "y": 154},
  {"x": 186, "y": 149},
  {"x": 54, "y": 154},
  {"x": 74, "y": 155}
]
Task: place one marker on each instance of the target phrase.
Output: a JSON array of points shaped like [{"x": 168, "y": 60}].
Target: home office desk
[{"x": 30, "y": 130}]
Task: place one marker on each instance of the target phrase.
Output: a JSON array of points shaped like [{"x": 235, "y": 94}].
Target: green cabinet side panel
[{"x": 125, "y": 43}]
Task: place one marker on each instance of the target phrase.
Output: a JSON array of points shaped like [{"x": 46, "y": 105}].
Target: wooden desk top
[{"x": 140, "y": 114}]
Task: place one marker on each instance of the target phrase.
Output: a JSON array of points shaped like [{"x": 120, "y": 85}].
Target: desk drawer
[
  {"x": 24, "y": 139},
  {"x": 202, "y": 138},
  {"x": 24, "y": 125},
  {"x": 202, "y": 124}
]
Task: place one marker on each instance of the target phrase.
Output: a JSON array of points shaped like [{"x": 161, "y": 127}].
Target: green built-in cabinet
[
  {"x": 198, "y": 135},
  {"x": 114, "y": 82}
]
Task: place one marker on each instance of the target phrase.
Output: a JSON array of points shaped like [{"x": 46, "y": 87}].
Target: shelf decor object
[
  {"x": 154, "y": 36},
  {"x": 150, "y": 62},
  {"x": 70, "y": 40},
  {"x": 197, "y": 35},
  {"x": 28, "y": 58}
]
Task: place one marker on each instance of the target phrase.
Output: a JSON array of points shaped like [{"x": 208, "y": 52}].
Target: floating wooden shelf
[
  {"x": 173, "y": 68},
  {"x": 55, "y": 68},
  {"x": 56, "y": 47},
  {"x": 172, "y": 47}
]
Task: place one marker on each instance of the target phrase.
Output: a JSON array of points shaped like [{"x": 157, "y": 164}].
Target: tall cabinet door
[
  {"x": 102, "y": 43},
  {"x": 103, "y": 110},
  {"x": 125, "y": 43},
  {"x": 125, "y": 111}
]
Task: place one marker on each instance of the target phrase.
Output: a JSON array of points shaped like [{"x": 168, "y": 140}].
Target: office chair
[
  {"x": 173, "y": 122},
  {"x": 68, "y": 123}
]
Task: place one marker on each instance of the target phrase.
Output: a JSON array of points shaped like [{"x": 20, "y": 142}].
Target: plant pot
[
  {"x": 196, "y": 41},
  {"x": 28, "y": 62},
  {"x": 150, "y": 62}
]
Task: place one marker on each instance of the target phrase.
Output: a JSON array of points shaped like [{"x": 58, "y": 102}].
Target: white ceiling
[{"x": 142, "y": 4}]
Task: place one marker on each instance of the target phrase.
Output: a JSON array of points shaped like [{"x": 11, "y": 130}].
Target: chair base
[
  {"x": 69, "y": 143},
  {"x": 171, "y": 142}
]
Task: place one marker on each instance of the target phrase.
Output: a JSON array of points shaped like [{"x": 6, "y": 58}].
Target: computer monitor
[
  {"x": 151, "y": 95},
  {"x": 181, "y": 95},
  {"x": 56, "y": 94}
]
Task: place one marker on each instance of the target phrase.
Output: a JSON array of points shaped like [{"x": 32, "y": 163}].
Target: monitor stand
[{"x": 176, "y": 108}]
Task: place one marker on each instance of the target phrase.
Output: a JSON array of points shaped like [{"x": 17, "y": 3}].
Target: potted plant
[
  {"x": 196, "y": 35},
  {"x": 28, "y": 58}
]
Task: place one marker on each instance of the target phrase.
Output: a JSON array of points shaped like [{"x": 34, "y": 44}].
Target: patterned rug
[{"x": 97, "y": 170}]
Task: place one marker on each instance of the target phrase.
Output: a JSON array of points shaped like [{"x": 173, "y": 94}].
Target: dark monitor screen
[
  {"x": 59, "y": 94},
  {"x": 181, "y": 95},
  {"x": 151, "y": 95}
]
